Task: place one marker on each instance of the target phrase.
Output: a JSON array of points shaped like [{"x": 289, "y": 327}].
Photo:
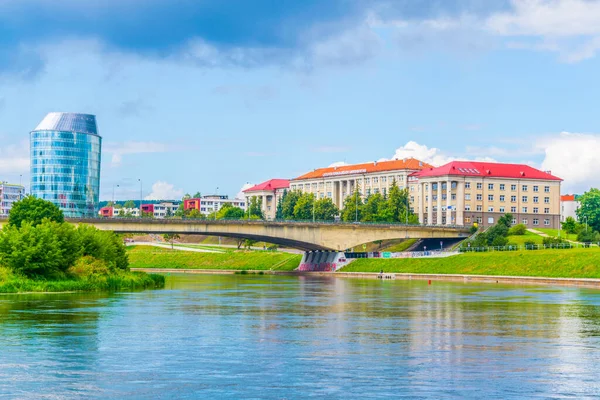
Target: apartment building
[
  {"x": 466, "y": 192},
  {"x": 269, "y": 193},
  {"x": 211, "y": 203},
  {"x": 9, "y": 194},
  {"x": 337, "y": 183}
]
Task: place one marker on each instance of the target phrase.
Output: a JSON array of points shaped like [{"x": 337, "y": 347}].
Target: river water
[{"x": 271, "y": 337}]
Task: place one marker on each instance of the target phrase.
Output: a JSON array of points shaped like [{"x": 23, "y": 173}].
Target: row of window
[
  {"x": 479, "y": 208},
  {"x": 513, "y": 199},
  {"x": 513, "y": 188},
  {"x": 524, "y": 221}
]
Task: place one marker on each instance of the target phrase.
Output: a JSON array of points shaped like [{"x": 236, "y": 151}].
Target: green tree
[
  {"x": 506, "y": 220},
  {"x": 110, "y": 204},
  {"x": 197, "y": 195},
  {"x": 288, "y": 203},
  {"x": 194, "y": 214},
  {"x": 129, "y": 204},
  {"x": 228, "y": 211},
  {"x": 118, "y": 206},
  {"x": 569, "y": 225},
  {"x": 186, "y": 196},
  {"x": 34, "y": 211},
  {"x": 171, "y": 237},
  {"x": 303, "y": 210},
  {"x": 325, "y": 210},
  {"x": 589, "y": 208},
  {"x": 397, "y": 203},
  {"x": 254, "y": 208},
  {"x": 352, "y": 210},
  {"x": 279, "y": 211},
  {"x": 372, "y": 207}
]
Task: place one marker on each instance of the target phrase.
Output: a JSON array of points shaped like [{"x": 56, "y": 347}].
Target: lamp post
[
  {"x": 586, "y": 222},
  {"x": 140, "y": 180},
  {"x": 113, "y": 198}
]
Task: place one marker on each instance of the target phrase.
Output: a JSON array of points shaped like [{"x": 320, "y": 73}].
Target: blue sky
[{"x": 195, "y": 95}]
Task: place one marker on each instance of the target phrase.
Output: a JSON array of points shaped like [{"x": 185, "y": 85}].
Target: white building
[
  {"x": 269, "y": 193},
  {"x": 211, "y": 203},
  {"x": 9, "y": 194},
  {"x": 569, "y": 204}
]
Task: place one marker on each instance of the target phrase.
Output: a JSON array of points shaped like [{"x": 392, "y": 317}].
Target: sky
[{"x": 211, "y": 96}]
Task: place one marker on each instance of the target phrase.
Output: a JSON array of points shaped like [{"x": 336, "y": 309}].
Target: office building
[
  {"x": 269, "y": 193},
  {"x": 9, "y": 194},
  {"x": 65, "y": 163}
]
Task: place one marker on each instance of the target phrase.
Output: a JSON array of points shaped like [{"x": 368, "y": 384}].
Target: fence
[
  {"x": 568, "y": 245},
  {"x": 404, "y": 254}
]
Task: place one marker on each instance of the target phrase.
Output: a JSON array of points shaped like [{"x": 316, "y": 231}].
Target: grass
[
  {"x": 201, "y": 247},
  {"x": 400, "y": 247},
  {"x": 154, "y": 257},
  {"x": 554, "y": 232},
  {"x": 573, "y": 263},
  {"x": 12, "y": 283},
  {"x": 527, "y": 237}
]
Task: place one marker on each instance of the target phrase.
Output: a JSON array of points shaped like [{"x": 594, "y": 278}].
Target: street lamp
[
  {"x": 140, "y": 180},
  {"x": 586, "y": 222},
  {"x": 113, "y": 198}
]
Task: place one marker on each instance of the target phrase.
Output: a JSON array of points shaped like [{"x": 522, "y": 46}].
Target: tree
[
  {"x": 506, "y": 220},
  {"x": 129, "y": 204},
  {"x": 352, "y": 210},
  {"x": 517, "y": 230},
  {"x": 228, "y": 211},
  {"x": 372, "y": 207},
  {"x": 325, "y": 210},
  {"x": 303, "y": 210},
  {"x": 255, "y": 208},
  {"x": 288, "y": 203},
  {"x": 398, "y": 206},
  {"x": 569, "y": 225},
  {"x": 170, "y": 237},
  {"x": 34, "y": 211},
  {"x": 110, "y": 204},
  {"x": 118, "y": 206},
  {"x": 186, "y": 197},
  {"x": 589, "y": 208},
  {"x": 279, "y": 211},
  {"x": 197, "y": 195},
  {"x": 194, "y": 214}
]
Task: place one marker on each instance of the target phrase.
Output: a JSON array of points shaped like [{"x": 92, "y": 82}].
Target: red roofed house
[
  {"x": 467, "y": 192},
  {"x": 269, "y": 192},
  {"x": 339, "y": 182}
]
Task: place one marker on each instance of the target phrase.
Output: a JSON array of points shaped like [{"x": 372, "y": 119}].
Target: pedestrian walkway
[{"x": 168, "y": 246}]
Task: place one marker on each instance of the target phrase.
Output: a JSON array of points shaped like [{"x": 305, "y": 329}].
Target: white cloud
[
  {"x": 240, "y": 194},
  {"x": 568, "y": 27},
  {"x": 337, "y": 164},
  {"x": 118, "y": 150},
  {"x": 430, "y": 155},
  {"x": 164, "y": 191},
  {"x": 14, "y": 158},
  {"x": 574, "y": 158}
]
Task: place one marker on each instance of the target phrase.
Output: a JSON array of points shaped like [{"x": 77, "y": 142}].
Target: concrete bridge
[{"x": 306, "y": 236}]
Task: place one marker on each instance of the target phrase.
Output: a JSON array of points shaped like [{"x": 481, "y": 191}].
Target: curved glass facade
[{"x": 65, "y": 163}]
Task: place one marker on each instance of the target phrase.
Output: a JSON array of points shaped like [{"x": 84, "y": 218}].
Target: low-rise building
[
  {"x": 211, "y": 203},
  {"x": 9, "y": 194},
  {"x": 569, "y": 204},
  {"x": 269, "y": 193},
  {"x": 467, "y": 192}
]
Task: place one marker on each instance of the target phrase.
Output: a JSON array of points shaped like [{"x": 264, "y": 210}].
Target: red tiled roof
[
  {"x": 379, "y": 166},
  {"x": 270, "y": 185},
  {"x": 497, "y": 170},
  {"x": 567, "y": 197}
]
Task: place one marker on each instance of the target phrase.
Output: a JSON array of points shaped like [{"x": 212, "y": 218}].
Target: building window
[
  {"x": 412, "y": 199},
  {"x": 467, "y": 220},
  {"x": 546, "y": 200},
  {"x": 524, "y": 209},
  {"x": 479, "y": 220},
  {"x": 535, "y": 210},
  {"x": 479, "y": 185},
  {"x": 547, "y": 189},
  {"x": 513, "y": 188},
  {"x": 524, "y": 188},
  {"x": 375, "y": 180},
  {"x": 546, "y": 211},
  {"x": 502, "y": 198},
  {"x": 536, "y": 189},
  {"x": 479, "y": 207},
  {"x": 536, "y": 221},
  {"x": 502, "y": 186},
  {"x": 444, "y": 197},
  {"x": 368, "y": 192},
  {"x": 490, "y": 186},
  {"x": 453, "y": 197},
  {"x": 434, "y": 197},
  {"x": 467, "y": 208},
  {"x": 501, "y": 209},
  {"x": 376, "y": 190},
  {"x": 367, "y": 181},
  {"x": 490, "y": 209},
  {"x": 536, "y": 199},
  {"x": 513, "y": 199},
  {"x": 513, "y": 209},
  {"x": 479, "y": 197},
  {"x": 467, "y": 196},
  {"x": 467, "y": 185},
  {"x": 524, "y": 221},
  {"x": 383, "y": 179},
  {"x": 329, "y": 194},
  {"x": 524, "y": 199},
  {"x": 444, "y": 186},
  {"x": 547, "y": 222},
  {"x": 490, "y": 197},
  {"x": 514, "y": 221}
]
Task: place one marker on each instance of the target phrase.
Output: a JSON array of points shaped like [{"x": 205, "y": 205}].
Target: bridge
[{"x": 307, "y": 236}]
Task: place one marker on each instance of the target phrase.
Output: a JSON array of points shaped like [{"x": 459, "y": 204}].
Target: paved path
[{"x": 168, "y": 246}]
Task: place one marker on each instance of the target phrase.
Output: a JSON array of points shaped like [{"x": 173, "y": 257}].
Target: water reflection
[{"x": 288, "y": 337}]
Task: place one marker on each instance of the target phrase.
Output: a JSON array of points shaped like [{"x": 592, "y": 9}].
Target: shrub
[
  {"x": 517, "y": 230},
  {"x": 34, "y": 211},
  {"x": 473, "y": 229},
  {"x": 499, "y": 241},
  {"x": 587, "y": 236},
  {"x": 552, "y": 241}
]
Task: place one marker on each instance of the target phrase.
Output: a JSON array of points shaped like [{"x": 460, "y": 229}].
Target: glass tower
[{"x": 65, "y": 163}]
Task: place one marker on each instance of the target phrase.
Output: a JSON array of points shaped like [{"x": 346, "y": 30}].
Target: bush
[
  {"x": 517, "y": 230},
  {"x": 499, "y": 241},
  {"x": 552, "y": 241},
  {"x": 473, "y": 230},
  {"x": 34, "y": 211},
  {"x": 530, "y": 244},
  {"x": 588, "y": 236}
]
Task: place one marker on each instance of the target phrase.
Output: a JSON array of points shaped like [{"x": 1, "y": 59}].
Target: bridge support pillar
[{"x": 325, "y": 261}]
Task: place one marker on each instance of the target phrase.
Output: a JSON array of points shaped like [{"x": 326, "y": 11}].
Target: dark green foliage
[
  {"x": 352, "y": 210},
  {"x": 569, "y": 225},
  {"x": 279, "y": 212},
  {"x": 552, "y": 241},
  {"x": 473, "y": 230},
  {"x": 589, "y": 208},
  {"x": 228, "y": 211},
  {"x": 288, "y": 203},
  {"x": 255, "y": 208},
  {"x": 34, "y": 211},
  {"x": 129, "y": 204},
  {"x": 517, "y": 230},
  {"x": 505, "y": 220},
  {"x": 325, "y": 210},
  {"x": 588, "y": 236},
  {"x": 303, "y": 210}
]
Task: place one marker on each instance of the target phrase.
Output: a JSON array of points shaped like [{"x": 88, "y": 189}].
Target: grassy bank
[
  {"x": 118, "y": 281},
  {"x": 154, "y": 257},
  {"x": 573, "y": 263}
]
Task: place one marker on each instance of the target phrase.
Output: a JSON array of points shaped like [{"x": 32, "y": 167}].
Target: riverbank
[
  {"x": 572, "y": 263},
  {"x": 150, "y": 258},
  {"x": 89, "y": 282}
]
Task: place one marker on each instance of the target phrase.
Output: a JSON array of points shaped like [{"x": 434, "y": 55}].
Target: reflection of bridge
[{"x": 299, "y": 235}]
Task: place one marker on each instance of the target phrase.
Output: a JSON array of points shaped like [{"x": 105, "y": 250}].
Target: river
[{"x": 274, "y": 337}]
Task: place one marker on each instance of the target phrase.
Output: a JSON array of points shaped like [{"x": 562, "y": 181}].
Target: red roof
[
  {"x": 567, "y": 197},
  {"x": 379, "y": 166},
  {"x": 270, "y": 185},
  {"x": 487, "y": 169}
]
